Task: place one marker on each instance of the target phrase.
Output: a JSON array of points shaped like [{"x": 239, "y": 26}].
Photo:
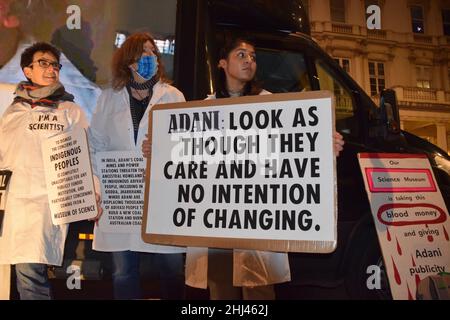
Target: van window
[
  {"x": 282, "y": 71},
  {"x": 344, "y": 102}
]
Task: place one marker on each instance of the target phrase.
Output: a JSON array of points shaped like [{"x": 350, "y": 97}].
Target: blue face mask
[{"x": 147, "y": 67}]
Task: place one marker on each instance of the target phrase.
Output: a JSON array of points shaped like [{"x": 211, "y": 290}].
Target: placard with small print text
[
  {"x": 69, "y": 179},
  {"x": 410, "y": 216}
]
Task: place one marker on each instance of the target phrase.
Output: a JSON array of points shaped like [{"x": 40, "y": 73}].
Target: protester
[
  {"x": 239, "y": 274},
  {"x": 41, "y": 108},
  {"x": 120, "y": 123}
]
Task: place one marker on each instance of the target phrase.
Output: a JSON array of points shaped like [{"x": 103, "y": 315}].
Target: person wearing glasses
[
  {"x": 41, "y": 108},
  {"x": 120, "y": 123}
]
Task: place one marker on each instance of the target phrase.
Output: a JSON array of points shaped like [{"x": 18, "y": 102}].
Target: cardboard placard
[
  {"x": 410, "y": 216},
  {"x": 68, "y": 175},
  {"x": 251, "y": 172},
  {"x": 122, "y": 176}
]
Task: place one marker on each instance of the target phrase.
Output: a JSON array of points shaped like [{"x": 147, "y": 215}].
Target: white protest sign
[
  {"x": 410, "y": 217},
  {"x": 5, "y": 177},
  {"x": 251, "y": 172},
  {"x": 122, "y": 177},
  {"x": 2, "y": 202},
  {"x": 68, "y": 175}
]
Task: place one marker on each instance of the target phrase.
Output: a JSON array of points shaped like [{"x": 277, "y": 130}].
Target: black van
[{"x": 289, "y": 61}]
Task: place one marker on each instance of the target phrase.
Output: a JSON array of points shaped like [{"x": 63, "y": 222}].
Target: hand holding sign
[
  {"x": 146, "y": 147},
  {"x": 98, "y": 200},
  {"x": 338, "y": 143}
]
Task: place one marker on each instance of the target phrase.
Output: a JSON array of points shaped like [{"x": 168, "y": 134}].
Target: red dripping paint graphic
[
  {"x": 388, "y": 235},
  {"x": 417, "y": 280},
  {"x": 399, "y": 249},
  {"x": 410, "y": 297},
  {"x": 396, "y": 273},
  {"x": 430, "y": 238},
  {"x": 413, "y": 262},
  {"x": 426, "y": 226},
  {"x": 446, "y": 234}
]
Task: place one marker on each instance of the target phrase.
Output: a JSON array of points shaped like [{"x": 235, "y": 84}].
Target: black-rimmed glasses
[{"x": 45, "y": 64}]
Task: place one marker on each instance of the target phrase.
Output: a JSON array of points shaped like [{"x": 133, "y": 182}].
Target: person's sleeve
[
  {"x": 3, "y": 137},
  {"x": 77, "y": 117},
  {"x": 82, "y": 121},
  {"x": 79, "y": 121},
  {"x": 97, "y": 131},
  {"x": 177, "y": 95}
]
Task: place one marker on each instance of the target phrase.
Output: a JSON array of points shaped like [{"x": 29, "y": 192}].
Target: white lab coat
[
  {"x": 29, "y": 235},
  {"x": 111, "y": 129},
  {"x": 250, "y": 267}
]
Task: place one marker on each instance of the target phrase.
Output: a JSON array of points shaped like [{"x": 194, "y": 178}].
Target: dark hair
[
  {"x": 252, "y": 88},
  {"x": 127, "y": 54},
  {"x": 27, "y": 55}
]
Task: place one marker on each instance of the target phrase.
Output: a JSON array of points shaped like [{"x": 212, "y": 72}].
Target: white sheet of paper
[{"x": 122, "y": 177}]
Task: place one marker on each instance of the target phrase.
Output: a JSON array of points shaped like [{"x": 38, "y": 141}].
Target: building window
[
  {"x": 166, "y": 46},
  {"x": 417, "y": 19},
  {"x": 337, "y": 10},
  {"x": 426, "y": 84},
  {"x": 446, "y": 21},
  {"x": 424, "y": 76},
  {"x": 377, "y": 77},
  {"x": 368, "y": 3},
  {"x": 343, "y": 63}
]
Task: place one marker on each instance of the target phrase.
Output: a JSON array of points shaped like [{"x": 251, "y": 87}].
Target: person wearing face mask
[
  {"x": 41, "y": 108},
  {"x": 120, "y": 123}
]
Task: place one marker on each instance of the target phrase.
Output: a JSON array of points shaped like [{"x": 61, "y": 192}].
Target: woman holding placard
[
  {"x": 41, "y": 108},
  {"x": 119, "y": 123},
  {"x": 237, "y": 274}
]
